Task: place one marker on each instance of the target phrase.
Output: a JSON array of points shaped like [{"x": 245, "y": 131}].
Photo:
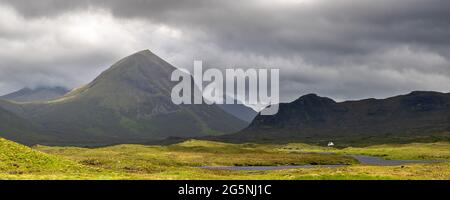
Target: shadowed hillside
[{"x": 418, "y": 116}]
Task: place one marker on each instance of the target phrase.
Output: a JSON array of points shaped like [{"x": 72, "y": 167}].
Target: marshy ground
[{"x": 187, "y": 160}]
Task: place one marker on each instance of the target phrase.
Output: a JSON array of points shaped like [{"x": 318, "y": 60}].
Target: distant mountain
[
  {"x": 240, "y": 111},
  {"x": 38, "y": 94},
  {"x": 128, "y": 103},
  {"x": 411, "y": 117}
]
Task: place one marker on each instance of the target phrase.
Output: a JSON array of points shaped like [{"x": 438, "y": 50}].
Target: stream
[{"x": 364, "y": 160}]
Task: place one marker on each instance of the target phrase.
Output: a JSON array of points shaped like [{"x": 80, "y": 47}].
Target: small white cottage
[{"x": 330, "y": 144}]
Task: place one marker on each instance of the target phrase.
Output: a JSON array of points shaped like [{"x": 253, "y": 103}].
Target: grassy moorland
[
  {"x": 181, "y": 161},
  {"x": 413, "y": 151}
]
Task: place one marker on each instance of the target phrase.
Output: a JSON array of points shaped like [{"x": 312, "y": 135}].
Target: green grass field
[
  {"x": 182, "y": 161},
  {"x": 413, "y": 151}
]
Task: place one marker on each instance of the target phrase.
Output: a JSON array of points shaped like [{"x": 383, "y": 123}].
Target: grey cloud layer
[{"x": 342, "y": 48}]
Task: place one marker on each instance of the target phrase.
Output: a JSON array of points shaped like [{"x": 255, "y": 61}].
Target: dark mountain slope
[
  {"x": 16, "y": 128},
  {"x": 319, "y": 119}
]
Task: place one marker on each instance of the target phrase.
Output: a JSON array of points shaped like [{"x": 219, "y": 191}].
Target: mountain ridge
[
  {"x": 311, "y": 118},
  {"x": 36, "y": 94}
]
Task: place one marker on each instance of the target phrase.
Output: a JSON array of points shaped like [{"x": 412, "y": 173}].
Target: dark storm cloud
[
  {"x": 342, "y": 48},
  {"x": 339, "y": 26}
]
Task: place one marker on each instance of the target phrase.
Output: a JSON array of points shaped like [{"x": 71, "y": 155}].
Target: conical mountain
[{"x": 128, "y": 103}]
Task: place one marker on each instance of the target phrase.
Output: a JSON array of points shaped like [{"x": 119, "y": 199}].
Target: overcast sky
[{"x": 344, "y": 49}]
